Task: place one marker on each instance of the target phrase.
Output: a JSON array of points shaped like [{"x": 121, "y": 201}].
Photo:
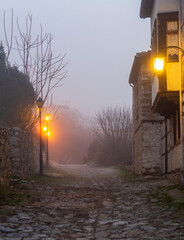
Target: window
[{"x": 172, "y": 40}]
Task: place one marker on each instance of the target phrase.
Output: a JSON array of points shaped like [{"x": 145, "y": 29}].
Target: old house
[
  {"x": 146, "y": 124},
  {"x": 156, "y": 78}
]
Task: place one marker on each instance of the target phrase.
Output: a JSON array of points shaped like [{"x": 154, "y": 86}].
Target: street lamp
[
  {"x": 40, "y": 103},
  {"x": 158, "y": 68},
  {"x": 47, "y": 118}
]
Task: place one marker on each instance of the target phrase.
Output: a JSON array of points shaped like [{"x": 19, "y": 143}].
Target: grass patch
[
  {"x": 45, "y": 179},
  {"x": 53, "y": 180},
  {"x": 1, "y": 212},
  {"x": 23, "y": 191},
  {"x": 173, "y": 187},
  {"x": 12, "y": 197},
  {"x": 126, "y": 174},
  {"x": 3, "y": 192},
  {"x": 55, "y": 170},
  {"x": 53, "y": 175},
  {"x": 16, "y": 200},
  {"x": 162, "y": 195}
]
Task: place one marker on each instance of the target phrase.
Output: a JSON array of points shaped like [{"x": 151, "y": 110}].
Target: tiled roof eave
[{"x": 146, "y": 8}]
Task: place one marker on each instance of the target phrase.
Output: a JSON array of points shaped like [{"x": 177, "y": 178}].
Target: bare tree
[
  {"x": 36, "y": 60},
  {"x": 113, "y": 136}
]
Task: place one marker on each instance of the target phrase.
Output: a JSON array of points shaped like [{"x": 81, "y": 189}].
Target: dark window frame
[
  {"x": 162, "y": 19},
  {"x": 172, "y": 32}
]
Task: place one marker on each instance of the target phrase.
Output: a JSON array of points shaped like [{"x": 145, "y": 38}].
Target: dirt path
[{"x": 91, "y": 203}]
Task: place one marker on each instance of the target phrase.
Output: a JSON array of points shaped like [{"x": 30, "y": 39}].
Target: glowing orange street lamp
[
  {"x": 44, "y": 128},
  {"x": 47, "y": 118}
]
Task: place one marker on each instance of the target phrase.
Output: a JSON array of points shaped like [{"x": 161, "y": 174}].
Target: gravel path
[{"x": 94, "y": 203}]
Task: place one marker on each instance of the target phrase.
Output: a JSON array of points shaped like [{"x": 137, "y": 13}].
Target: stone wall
[
  {"x": 5, "y": 167},
  {"x": 147, "y": 149},
  {"x": 146, "y": 124},
  {"x": 24, "y": 153},
  {"x": 151, "y": 154},
  {"x": 137, "y": 149}
]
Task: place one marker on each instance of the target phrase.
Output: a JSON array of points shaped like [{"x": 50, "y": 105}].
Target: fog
[
  {"x": 100, "y": 38},
  {"x": 103, "y": 140},
  {"x": 70, "y": 137}
]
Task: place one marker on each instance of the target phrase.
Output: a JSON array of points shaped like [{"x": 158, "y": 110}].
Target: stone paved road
[{"x": 95, "y": 204}]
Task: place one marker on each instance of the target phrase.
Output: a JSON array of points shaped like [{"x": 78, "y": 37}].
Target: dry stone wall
[
  {"x": 19, "y": 154},
  {"x": 24, "y": 153},
  {"x": 5, "y": 166}
]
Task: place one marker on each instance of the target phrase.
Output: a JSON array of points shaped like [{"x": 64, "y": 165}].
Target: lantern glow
[{"x": 159, "y": 64}]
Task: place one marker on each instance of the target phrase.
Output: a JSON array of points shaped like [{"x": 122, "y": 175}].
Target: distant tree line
[
  {"x": 106, "y": 141},
  {"x": 112, "y": 142}
]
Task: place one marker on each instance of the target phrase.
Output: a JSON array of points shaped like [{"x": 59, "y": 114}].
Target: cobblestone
[{"x": 97, "y": 204}]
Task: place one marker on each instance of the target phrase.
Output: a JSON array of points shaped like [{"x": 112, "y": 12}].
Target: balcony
[{"x": 165, "y": 90}]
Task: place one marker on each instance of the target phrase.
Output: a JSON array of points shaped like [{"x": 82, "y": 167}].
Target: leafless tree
[
  {"x": 44, "y": 70},
  {"x": 113, "y": 136}
]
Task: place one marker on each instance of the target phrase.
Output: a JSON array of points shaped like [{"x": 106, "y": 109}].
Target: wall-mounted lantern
[{"x": 159, "y": 64}]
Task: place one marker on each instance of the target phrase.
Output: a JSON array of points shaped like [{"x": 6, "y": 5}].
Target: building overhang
[
  {"x": 165, "y": 103},
  {"x": 146, "y": 8}
]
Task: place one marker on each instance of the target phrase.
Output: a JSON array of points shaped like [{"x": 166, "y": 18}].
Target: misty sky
[{"x": 100, "y": 38}]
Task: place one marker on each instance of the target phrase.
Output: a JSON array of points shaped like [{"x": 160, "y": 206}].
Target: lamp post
[
  {"x": 158, "y": 67},
  {"x": 47, "y": 118},
  {"x": 40, "y": 106}
]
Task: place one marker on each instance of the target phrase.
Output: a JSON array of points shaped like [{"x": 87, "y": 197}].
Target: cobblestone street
[{"x": 93, "y": 203}]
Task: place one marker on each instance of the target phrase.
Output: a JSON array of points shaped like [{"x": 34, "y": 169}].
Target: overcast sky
[{"x": 100, "y": 38}]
